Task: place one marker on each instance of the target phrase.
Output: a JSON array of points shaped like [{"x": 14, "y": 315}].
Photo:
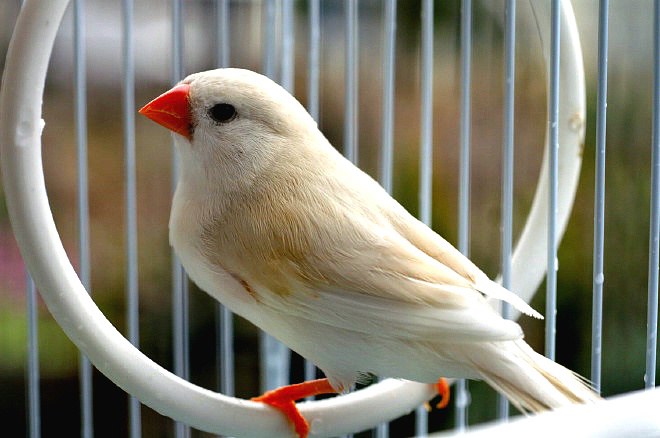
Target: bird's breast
[{"x": 186, "y": 231}]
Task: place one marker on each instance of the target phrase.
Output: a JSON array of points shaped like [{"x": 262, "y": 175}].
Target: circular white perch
[{"x": 111, "y": 353}]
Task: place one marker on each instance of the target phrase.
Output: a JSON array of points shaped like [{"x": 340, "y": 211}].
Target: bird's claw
[
  {"x": 284, "y": 399},
  {"x": 289, "y": 409},
  {"x": 443, "y": 390}
]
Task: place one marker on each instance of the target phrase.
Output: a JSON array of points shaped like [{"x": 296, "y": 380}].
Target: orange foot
[
  {"x": 443, "y": 390},
  {"x": 284, "y": 399}
]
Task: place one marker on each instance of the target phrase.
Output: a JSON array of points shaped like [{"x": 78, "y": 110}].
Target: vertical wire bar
[
  {"x": 288, "y": 46},
  {"x": 387, "y": 131},
  {"x": 553, "y": 114},
  {"x": 507, "y": 164},
  {"x": 654, "y": 234},
  {"x": 180, "y": 327},
  {"x": 269, "y": 39},
  {"x": 313, "y": 73},
  {"x": 387, "y": 127},
  {"x": 180, "y": 282},
  {"x": 266, "y": 342},
  {"x": 33, "y": 374},
  {"x": 462, "y": 395},
  {"x": 426, "y": 128},
  {"x": 33, "y": 393},
  {"x": 132, "y": 297},
  {"x": 351, "y": 82},
  {"x": 177, "y": 43},
  {"x": 466, "y": 119},
  {"x": 222, "y": 33},
  {"x": 287, "y": 64},
  {"x": 314, "y": 58},
  {"x": 426, "y": 150},
  {"x": 80, "y": 80},
  {"x": 274, "y": 356},
  {"x": 599, "y": 199},
  {"x": 224, "y": 317}
]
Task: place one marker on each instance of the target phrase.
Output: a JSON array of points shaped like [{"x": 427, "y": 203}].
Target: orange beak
[{"x": 171, "y": 110}]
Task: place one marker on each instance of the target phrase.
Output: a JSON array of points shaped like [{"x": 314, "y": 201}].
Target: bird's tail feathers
[{"x": 532, "y": 382}]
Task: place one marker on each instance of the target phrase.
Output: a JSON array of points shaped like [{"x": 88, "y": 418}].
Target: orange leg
[
  {"x": 284, "y": 399},
  {"x": 443, "y": 390}
]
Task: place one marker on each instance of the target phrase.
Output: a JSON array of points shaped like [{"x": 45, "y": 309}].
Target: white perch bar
[{"x": 632, "y": 415}]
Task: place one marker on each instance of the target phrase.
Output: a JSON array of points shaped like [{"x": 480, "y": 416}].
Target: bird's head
[{"x": 232, "y": 123}]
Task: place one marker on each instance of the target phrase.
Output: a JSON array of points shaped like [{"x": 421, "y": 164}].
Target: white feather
[
  {"x": 401, "y": 321},
  {"x": 495, "y": 290}
]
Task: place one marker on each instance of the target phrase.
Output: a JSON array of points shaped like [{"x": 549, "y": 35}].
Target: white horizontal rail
[
  {"x": 33, "y": 225},
  {"x": 632, "y": 415}
]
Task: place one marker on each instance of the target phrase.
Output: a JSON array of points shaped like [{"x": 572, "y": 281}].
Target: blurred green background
[{"x": 627, "y": 198}]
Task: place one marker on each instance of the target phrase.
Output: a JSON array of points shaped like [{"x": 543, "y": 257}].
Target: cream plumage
[{"x": 272, "y": 221}]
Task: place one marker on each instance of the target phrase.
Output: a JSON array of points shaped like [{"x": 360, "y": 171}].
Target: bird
[{"x": 272, "y": 221}]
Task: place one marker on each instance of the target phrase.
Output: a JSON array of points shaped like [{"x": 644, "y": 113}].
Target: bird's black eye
[{"x": 222, "y": 112}]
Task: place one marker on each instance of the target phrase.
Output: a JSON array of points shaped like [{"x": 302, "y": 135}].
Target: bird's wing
[
  {"x": 343, "y": 261},
  {"x": 422, "y": 237},
  {"x": 374, "y": 281}
]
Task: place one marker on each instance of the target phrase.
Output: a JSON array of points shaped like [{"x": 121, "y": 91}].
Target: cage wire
[{"x": 445, "y": 103}]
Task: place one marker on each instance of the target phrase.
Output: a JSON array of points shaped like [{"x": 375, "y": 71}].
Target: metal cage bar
[
  {"x": 222, "y": 34},
  {"x": 288, "y": 46},
  {"x": 267, "y": 345},
  {"x": 426, "y": 148},
  {"x": 599, "y": 197},
  {"x": 553, "y": 163},
  {"x": 33, "y": 375},
  {"x": 654, "y": 233},
  {"x": 351, "y": 82},
  {"x": 225, "y": 367},
  {"x": 313, "y": 97},
  {"x": 130, "y": 195},
  {"x": 180, "y": 304},
  {"x": 462, "y": 394},
  {"x": 426, "y": 123},
  {"x": 507, "y": 165},
  {"x": 80, "y": 110},
  {"x": 387, "y": 127},
  {"x": 314, "y": 54}
]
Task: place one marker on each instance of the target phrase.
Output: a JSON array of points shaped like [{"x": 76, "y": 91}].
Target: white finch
[{"x": 272, "y": 221}]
